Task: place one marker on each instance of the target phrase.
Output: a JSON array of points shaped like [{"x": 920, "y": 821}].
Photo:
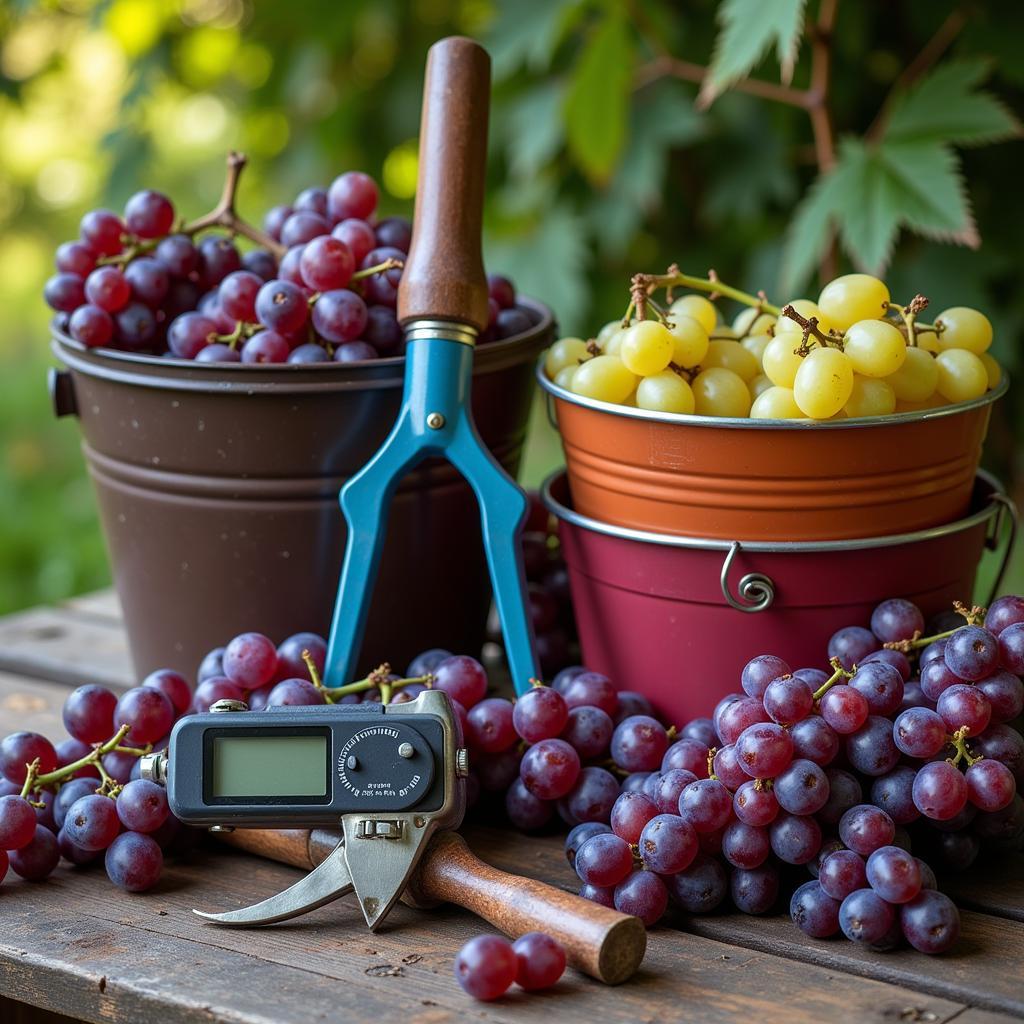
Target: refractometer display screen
[{"x": 269, "y": 766}]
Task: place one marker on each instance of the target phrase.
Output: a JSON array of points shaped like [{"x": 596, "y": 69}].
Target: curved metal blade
[{"x": 327, "y": 882}]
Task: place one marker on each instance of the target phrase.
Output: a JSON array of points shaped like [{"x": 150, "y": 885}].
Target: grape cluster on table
[
  {"x": 861, "y": 360},
  {"x": 142, "y": 282}
]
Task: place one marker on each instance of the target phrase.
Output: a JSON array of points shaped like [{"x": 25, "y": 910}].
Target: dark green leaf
[
  {"x": 528, "y": 31},
  {"x": 534, "y": 127},
  {"x": 749, "y": 29},
  {"x": 945, "y": 107},
  {"x": 597, "y": 104}
]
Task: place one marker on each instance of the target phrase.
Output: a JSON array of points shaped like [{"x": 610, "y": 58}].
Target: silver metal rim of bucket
[
  {"x": 745, "y": 423},
  {"x": 757, "y": 591}
]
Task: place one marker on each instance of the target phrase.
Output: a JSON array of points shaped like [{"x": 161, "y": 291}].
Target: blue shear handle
[{"x": 438, "y": 374}]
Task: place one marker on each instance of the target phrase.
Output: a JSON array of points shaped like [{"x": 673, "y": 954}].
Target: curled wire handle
[
  {"x": 1007, "y": 510},
  {"x": 756, "y": 591}
]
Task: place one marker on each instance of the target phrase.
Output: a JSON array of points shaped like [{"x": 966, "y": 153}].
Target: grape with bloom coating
[
  {"x": 875, "y": 347},
  {"x": 665, "y": 392},
  {"x": 781, "y": 361},
  {"x": 565, "y": 352},
  {"x": 930, "y": 922},
  {"x": 690, "y": 341},
  {"x": 870, "y": 397},
  {"x": 824, "y": 383},
  {"x": 775, "y": 403},
  {"x": 646, "y": 348},
  {"x": 964, "y": 328},
  {"x": 917, "y": 378},
  {"x": 604, "y": 378},
  {"x": 720, "y": 392},
  {"x": 853, "y": 297},
  {"x": 732, "y": 356},
  {"x": 486, "y": 966},
  {"x": 699, "y": 308},
  {"x": 962, "y": 375},
  {"x": 541, "y": 961}
]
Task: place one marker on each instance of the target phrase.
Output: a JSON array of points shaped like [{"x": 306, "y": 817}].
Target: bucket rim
[
  {"x": 189, "y": 375},
  {"x": 995, "y": 497},
  {"x": 745, "y": 423}
]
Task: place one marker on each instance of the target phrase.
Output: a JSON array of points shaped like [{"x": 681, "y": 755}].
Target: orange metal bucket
[{"x": 717, "y": 478}]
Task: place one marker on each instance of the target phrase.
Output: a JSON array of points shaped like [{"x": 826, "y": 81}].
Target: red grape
[
  {"x": 549, "y": 769},
  {"x": 462, "y": 678},
  {"x": 843, "y": 872},
  {"x": 893, "y": 874},
  {"x": 540, "y": 714},
  {"x": 149, "y": 214},
  {"x": 490, "y": 727},
  {"x": 92, "y": 822},
  {"x": 36, "y": 859},
  {"x": 147, "y": 712},
  {"x": 20, "y": 749},
  {"x": 134, "y": 861},
  {"x": 17, "y": 822},
  {"x": 540, "y": 961},
  {"x": 89, "y": 713}
]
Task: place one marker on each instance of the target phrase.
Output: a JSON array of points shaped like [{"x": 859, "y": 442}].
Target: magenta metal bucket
[{"x": 676, "y": 618}]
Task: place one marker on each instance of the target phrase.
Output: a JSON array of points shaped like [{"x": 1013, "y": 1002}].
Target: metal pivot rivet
[
  {"x": 228, "y": 704},
  {"x": 352, "y": 764},
  {"x": 435, "y": 420},
  {"x": 406, "y": 750}
]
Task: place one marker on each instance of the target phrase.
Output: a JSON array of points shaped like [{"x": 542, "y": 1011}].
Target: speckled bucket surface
[
  {"x": 218, "y": 493},
  {"x": 698, "y": 476},
  {"x": 677, "y": 618}
]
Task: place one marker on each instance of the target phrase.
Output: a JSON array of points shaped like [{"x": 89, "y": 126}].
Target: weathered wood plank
[
  {"x": 103, "y": 604},
  {"x": 76, "y": 945},
  {"x": 59, "y": 644},
  {"x": 993, "y": 887}
]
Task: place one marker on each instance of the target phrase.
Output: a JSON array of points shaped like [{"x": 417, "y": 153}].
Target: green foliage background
[{"x": 599, "y": 166}]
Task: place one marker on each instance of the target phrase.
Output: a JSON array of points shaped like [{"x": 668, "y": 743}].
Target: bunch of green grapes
[{"x": 859, "y": 363}]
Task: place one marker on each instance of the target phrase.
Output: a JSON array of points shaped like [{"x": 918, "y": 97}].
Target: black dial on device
[{"x": 387, "y": 766}]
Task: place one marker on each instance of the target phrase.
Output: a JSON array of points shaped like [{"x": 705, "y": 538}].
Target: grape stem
[
  {"x": 642, "y": 286},
  {"x": 391, "y": 263},
  {"x": 958, "y": 739},
  {"x": 908, "y": 314},
  {"x": 377, "y": 678},
  {"x": 839, "y": 674},
  {"x": 35, "y": 782},
  {"x": 975, "y": 616},
  {"x": 809, "y": 326}
]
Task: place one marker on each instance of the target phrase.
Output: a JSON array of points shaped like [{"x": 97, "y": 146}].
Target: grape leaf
[
  {"x": 944, "y": 107},
  {"x": 528, "y": 31},
  {"x": 534, "y": 128},
  {"x": 597, "y": 104},
  {"x": 749, "y": 28}
]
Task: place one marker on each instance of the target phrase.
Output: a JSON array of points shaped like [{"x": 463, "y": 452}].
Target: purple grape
[
  {"x": 597, "y": 690},
  {"x": 881, "y": 685},
  {"x": 755, "y": 891},
  {"x": 142, "y": 806},
  {"x": 36, "y": 859},
  {"x": 795, "y": 838},
  {"x": 604, "y": 860},
  {"x": 700, "y": 729},
  {"x": 497, "y": 772},
  {"x": 844, "y": 709},
  {"x": 871, "y": 750},
  {"x": 851, "y": 645},
  {"x": 354, "y": 352},
  {"x": 292, "y": 693},
  {"x": 844, "y": 792},
  {"x": 91, "y": 326},
  {"x": 897, "y": 659},
  {"x": 940, "y": 791},
  {"x": 119, "y": 766},
  {"x": 638, "y": 743},
  {"x": 788, "y": 700},
  {"x": 383, "y": 331},
  {"x": 667, "y": 844},
  {"x": 89, "y": 713},
  {"x": 630, "y": 813},
  {"x": 75, "y": 854},
  {"x": 914, "y": 697},
  {"x": 706, "y": 804},
  {"x": 588, "y": 729},
  {"x": 745, "y": 846},
  {"x": 760, "y": 671},
  {"x": 17, "y": 822},
  {"x": 381, "y": 289},
  {"x": 147, "y": 712},
  {"x": 753, "y": 805},
  {"x": 593, "y": 795},
  {"x": 92, "y": 822},
  {"x": 580, "y": 834},
  {"x": 1001, "y": 826},
  {"x": 313, "y": 200},
  {"x": 426, "y": 662},
  {"x": 701, "y": 888},
  {"x": 603, "y": 895},
  {"x": 636, "y": 782},
  {"x": 541, "y": 714},
  {"x": 462, "y": 678},
  {"x": 303, "y": 226},
  {"x": 893, "y": 874},
  {"x": 689, "y": 754},
  {"x": 1011, "y": 648},
  {"x": 1002, "y": 743},
  {"x": 897, "y": 619},
  {"x": 972, "y": 653},
  {"x": 75, "y": 258},
  {"x": 990, "y": 785},
  {"x": 149, "y": 214},
  {"x": 642, "y": 894},
  {"x": 218, "y": 258},
  {"x": 814, "y": 911},
  {"x": 728, "y": 769},
  {"x": 919, "y": 733},
  {"x": 511, "y": 323},
  {"x": 352, "y": 194},
  {"x": 865, "y": 917},
  {"x": 70, "y": 792},
  {"x": 894, "y": 794},
  {"x": 489, "y": 726},
  {"x": 525, "y": 811},
  {"x": 933, "y": 652},
  {"x": 134, "y": 862},
  {"x": 865, "y": 829},
  {"x": 260, "y": 262},
  {"x": 64, "y": 292},
  {"x": 930, "y": 922},
  {"x": 764, "y": 750},
  {"x": 1004, "y": 611},
  {"x": 841, "y": 873},
  {"x": 1005, "y": 694},
  {"x": 668, "y": 787},
  {"x": 802, "y": 788},
  {"x": 964, "y": 707},
  {"x": 936, "y": 678},
  {"x": 815, "y": 739},
  {"x": 549, "y": 769},
  {"x": 20, "y": 749}
]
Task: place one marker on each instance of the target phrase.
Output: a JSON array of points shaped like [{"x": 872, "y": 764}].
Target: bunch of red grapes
[{"x": 324, "y": 286}]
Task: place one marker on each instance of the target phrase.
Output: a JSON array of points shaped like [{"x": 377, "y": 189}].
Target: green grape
[
  {"x": 607, "y": 331},
  {"x": 720, "y": 392},
  {"x": 780, "y": 360},
  {"x": 759, "y": 384},
  {"x": 853, "y": 297},
  {"x": 733, "y": 356},
  {"x": 870, "y": 397},
  {"x": 875, "y": 348},
  {"x": 755, "y": 344},
  {"x": 646, "y": 348},
  {"x": 917, "y": 378},
  {"x": 613, "y": 343},
  {"x": 565, "y": 352},
  {"x": 775, "y": 403},
  {"x": 992, "y": 368},
  {"x": 665, "y": 392},
  {"x": 962, "y": 375},
  {"x": 806, "y": 308},
  {"x": 604, "y": 378},
  {"x": 701, "y": 309},
  {"x": 689, "y": 341},
  {"x": 749, "y": 321},
  {"x": 723, "y": 332},
  {"x": 823, "y": 383},
  {"x": 964, "y": 328},
  {"x": 565, "y": 375}
]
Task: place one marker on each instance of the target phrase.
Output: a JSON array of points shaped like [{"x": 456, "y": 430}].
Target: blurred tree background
[{"x": 825, "y": 136}]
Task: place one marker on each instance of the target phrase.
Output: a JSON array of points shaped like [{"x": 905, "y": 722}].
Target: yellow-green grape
[
  {"x": 992, "y": 368},
  {"x": 613, "y": 342},
  {"x": 720, "y": 392},
  {"x": 966, "y": 328},
  {"x": 646, "y": 348},
  {"x": 780, "y": 360},
  {"x": 962, "y": 375},
  {"x": 607, "y": 331},
  {"x": 823, "y": 383},
  {"x": 604, "y": 378},
  {"x": 755, "y": 344},
  {"x": 701, "y": 309},
  {"x": 749, "y": 321},
  {"x": 853, "y": 297},
  {"x": 776, "y": 403},
  {"x": 689, "y": 341},
  {"x": 733, "y": 356},
  {"x": 870, "y": 397},
  {"x": 928, "y": 340},
  {"x": 917, "y": 378},
  {"x": 875, "y": 348},
  {"x": 665, "y": 392},
  {"x": 564, "y": 376},
  {"x": 723, "y": 332},
  {"x": 806, "y": 308},
  {"x": 565, "y": 352},
  {"x": 759, "y": 385}
]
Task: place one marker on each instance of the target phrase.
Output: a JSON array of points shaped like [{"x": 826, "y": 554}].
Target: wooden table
[{"x": 76, "y": 945}]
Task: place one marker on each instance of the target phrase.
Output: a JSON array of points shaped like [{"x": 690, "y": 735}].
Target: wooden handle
[
  {"x": 600, "y": 942},
  {"x": 603, "y": 943},
  {"x": 444, "y": 273}
]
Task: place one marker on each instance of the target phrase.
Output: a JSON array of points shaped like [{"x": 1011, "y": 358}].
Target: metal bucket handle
[
  {"x": 1007, "y": 508},
  {"x": 756, "y": 591}
]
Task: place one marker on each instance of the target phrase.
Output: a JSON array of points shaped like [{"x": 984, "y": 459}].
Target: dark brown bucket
[{"x": 218, "y": 493}]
